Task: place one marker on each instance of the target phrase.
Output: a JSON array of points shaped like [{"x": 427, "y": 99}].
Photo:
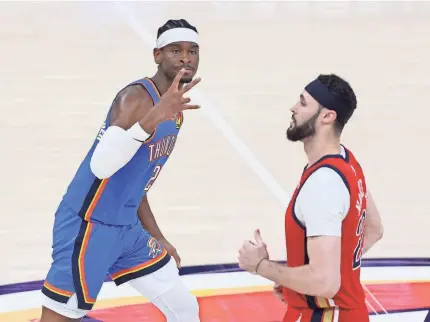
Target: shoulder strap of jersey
[
  {"x": 336, "y": 163},
  {"x": 150, "y": 88}
]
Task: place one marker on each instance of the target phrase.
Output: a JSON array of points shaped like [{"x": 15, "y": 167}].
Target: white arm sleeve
[
  {"x": 322, "y": 203},
  {"x": 115, "y": 149}
]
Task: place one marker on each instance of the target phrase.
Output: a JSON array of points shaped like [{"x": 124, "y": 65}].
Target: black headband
[{"x": 322, "y": 95}]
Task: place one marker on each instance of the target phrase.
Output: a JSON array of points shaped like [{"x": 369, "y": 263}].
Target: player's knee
[
  {"x": 169, "y": 294},
  {"x": 178, "y": 305},
  {"x": 189, "y": 311}
]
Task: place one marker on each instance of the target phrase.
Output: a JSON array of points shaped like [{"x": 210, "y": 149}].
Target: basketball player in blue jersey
[{"x": 104, "y": 224}]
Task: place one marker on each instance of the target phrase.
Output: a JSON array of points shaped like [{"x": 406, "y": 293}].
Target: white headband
[{"x": 177, "y": 34}]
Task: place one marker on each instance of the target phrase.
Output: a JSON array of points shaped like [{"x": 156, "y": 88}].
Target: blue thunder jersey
[{"x": 115, "y": 200}]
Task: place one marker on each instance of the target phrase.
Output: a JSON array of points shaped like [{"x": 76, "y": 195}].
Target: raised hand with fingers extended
[{"x": 170, "y": 104}]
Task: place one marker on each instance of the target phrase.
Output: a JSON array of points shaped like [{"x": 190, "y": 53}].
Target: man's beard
[{"x": 299, "y": 132}]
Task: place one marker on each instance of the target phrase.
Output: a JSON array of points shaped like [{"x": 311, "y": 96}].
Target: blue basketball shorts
[{"x": 85, "y": 253}]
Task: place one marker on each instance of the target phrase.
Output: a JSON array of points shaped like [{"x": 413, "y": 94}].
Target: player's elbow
[
  {"x": 376, "y": 231},
  {"x": 102, "y": 163},
  {"x": 99, "y": 168},
  {"x": 328, "y": 284},
  {"x": 329, "y": 287},
  {"x": 114, "y": 150},
  {"x": 380, "y": 232},
  {"x": 105, "y": 162}
]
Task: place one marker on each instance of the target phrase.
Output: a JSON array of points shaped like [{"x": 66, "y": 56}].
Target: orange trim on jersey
[
  {"x": 140, "y": 266},
  {"x": 154, "y": 87},
  {"x": 96, "y": 198},
  {"x": 56, "y": 290},
  {"x": 81, "y": 264}
]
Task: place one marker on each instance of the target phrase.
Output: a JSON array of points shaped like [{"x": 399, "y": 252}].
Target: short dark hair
[
  {"x": 171, "y": 24},
  {"x": 344, "y": 93}
]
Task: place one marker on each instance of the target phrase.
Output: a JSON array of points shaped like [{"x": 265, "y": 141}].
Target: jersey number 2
[
  {"x": 358, "y": 251},
  {"x": 154, "y": 176}
]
